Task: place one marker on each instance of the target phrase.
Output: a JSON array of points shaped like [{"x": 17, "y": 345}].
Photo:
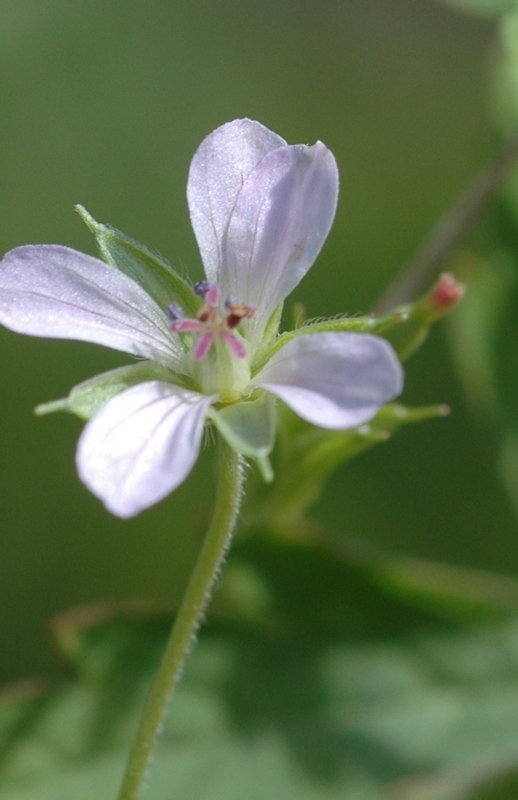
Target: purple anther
[
  {"x": 174, "y": 312},
  {"x": 201, "y": 288}
]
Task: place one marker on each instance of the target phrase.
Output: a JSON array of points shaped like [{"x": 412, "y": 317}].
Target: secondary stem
[
  {"x": 187, "y": 622},
  {"x": 451, "y": 227}
]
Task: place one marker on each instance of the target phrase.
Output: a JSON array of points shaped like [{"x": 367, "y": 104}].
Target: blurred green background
[{"x": 104, "y": 103}]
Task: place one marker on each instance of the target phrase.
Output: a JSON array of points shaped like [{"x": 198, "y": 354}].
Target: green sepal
[
  {"x": 405, "y": 328},
  {"x": 149, "y": 270},
  {"x": 379, "y": 326},
  {"x": 439, "y": 301},
  {"x": 87, "y": 398},
  {"x": 249, "y": 428},
  {"x": 269, "y": 336}
]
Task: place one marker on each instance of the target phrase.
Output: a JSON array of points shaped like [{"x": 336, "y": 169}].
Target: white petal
[
  {"x": 141, "y": 445},
  {"x": 281, "y": 219},
  {"x": 334, "y": 380},
  {"x": 48, "y": 290},
  {"x": 218, "y": 170}
]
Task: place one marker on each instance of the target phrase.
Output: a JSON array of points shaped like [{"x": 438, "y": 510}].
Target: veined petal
[
  {"x": 48, "y": 290},
  {"x": 281, "y": 219},
  {"x": 334, "y": 380},
  {"x": 141, "y": 445},
  {"x": 219, "y": 167}
]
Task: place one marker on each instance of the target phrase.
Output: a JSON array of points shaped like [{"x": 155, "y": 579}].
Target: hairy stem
[
  {"x": 421, "y": 267},
  {"x": 187, "y": 622}
]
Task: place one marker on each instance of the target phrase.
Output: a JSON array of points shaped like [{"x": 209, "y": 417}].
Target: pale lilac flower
[{"x": 261, "y": 210}]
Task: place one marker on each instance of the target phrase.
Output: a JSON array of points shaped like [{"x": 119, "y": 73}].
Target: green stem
[
  {"x": 454, "y": 223},
  {"x": 187, "y": 622}
]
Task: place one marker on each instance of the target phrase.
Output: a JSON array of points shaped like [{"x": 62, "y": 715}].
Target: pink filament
[
  {"x": 235, "y": 345},
  {"x": 203, "y": 345}
]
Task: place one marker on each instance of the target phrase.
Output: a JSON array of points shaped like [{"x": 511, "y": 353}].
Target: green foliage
[{"x": 352, "y": 693}]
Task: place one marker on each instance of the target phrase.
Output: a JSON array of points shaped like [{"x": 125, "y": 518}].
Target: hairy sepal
[
  {"x": 249, "y": 428},
  {"x": 149, "y": 270},
  {"x": 88, "y": 397}
]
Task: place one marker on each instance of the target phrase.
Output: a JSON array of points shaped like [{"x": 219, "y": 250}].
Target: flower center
[
  {"x": 217, "y": 343},
  {"x": 210, "y": 323}
]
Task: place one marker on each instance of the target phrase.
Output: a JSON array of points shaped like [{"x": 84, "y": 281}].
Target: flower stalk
[{"x": 187, "y": 622}]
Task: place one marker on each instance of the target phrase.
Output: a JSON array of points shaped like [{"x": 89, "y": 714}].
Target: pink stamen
[
  {"x": 210, "y": 323},
  {"x": 186, "y": 326},
  {"x": 203, "y": 345},
  {"x": 235, "y": 345}
]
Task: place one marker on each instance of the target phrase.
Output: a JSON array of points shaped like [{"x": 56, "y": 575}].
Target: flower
[{"x": 261, "y": 210}]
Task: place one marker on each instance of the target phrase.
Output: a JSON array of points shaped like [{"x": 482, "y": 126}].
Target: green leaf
[
  {"x": 345, "y": 692},
  {"x": 450, "y": 590},
  {"x": 148, "y": 269},
  {"x": 87, "y": 398}
]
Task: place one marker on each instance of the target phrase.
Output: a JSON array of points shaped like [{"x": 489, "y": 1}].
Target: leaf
[
  {"x": 349, "y": 693},
  {"x": 454, "y": 591}
]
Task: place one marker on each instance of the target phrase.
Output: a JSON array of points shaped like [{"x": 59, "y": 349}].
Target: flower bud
[{"x": 417, "y": 317}]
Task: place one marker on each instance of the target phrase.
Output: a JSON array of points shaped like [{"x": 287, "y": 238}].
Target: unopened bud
[
  {"x": 416, "y": 318},
  {"x": 441, "y": 299}
]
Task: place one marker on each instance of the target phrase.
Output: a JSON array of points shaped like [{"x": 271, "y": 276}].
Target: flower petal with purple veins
[
  {"x": 281, "y": 219},
  {"x": 220, "y": 166},
  {"x": 48, "y": 290},
  {"x": 334, "y": 380},
  {"x": 141, "y": 445}
]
